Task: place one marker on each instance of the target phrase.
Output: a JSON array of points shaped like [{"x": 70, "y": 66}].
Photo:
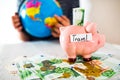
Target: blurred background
[
  {"x": 106, "y": 13},
  {"x": 8, "y": 35}
]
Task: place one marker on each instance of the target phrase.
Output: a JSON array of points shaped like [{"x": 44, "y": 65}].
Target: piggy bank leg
[
  {"x": 87, "y": 57},
  {"x": 71, "y": 53},
  {"x": 72, "y": 57},
  {"x": 72, "y": 60}
]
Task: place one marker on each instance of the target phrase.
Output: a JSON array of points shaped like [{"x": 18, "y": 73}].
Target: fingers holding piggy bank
[{"x": 80, "y": 40}]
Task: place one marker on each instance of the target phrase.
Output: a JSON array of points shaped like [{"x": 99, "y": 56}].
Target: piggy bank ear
[
  {"x": 91, "y": 28},
  {"x": 62, "y": 29},
  {"x": 86, "y": 24}
]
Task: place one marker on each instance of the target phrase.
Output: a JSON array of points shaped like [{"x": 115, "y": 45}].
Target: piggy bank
[{"x": 80, "y": 40}]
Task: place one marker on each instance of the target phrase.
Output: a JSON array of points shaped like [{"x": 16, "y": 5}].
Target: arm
[
  {"x": 66, "y": 20},
  {"x": 63, "y": 21},
  {"x": 18, "y": 26}
]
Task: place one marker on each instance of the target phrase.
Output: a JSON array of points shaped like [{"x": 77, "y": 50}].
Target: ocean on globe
[{"x": 37, "y": 16}]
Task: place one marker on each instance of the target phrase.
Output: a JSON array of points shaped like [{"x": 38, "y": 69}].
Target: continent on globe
[{"x": 33, "y": 9}]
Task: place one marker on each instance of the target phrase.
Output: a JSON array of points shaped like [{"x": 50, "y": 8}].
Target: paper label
[
  {"x": 80, "y": 37},
  {"x": 78, "y": 16}
]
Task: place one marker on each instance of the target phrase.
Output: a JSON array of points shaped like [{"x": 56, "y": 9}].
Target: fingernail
[{"x": 16, "y": 13}]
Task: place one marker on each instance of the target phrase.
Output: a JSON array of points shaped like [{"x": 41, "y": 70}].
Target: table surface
[{"x": 11, "y": 51}]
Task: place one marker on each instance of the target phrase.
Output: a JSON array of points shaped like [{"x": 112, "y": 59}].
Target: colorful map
[{"x": 32, "y": 8}]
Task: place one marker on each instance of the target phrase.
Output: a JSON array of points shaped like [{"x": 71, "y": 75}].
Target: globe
[{"x": 37, "y": 16}]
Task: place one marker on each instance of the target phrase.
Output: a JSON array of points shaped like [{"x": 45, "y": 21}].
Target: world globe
[{"x": 37, "y": 16}]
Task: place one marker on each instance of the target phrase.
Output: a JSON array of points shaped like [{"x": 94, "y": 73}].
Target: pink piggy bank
[{"x": 80, "y": 40}]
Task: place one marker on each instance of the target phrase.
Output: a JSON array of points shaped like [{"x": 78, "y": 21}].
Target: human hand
[
  {"x": 63, "y": 21},
  {"x": 16, "y": 22}
]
